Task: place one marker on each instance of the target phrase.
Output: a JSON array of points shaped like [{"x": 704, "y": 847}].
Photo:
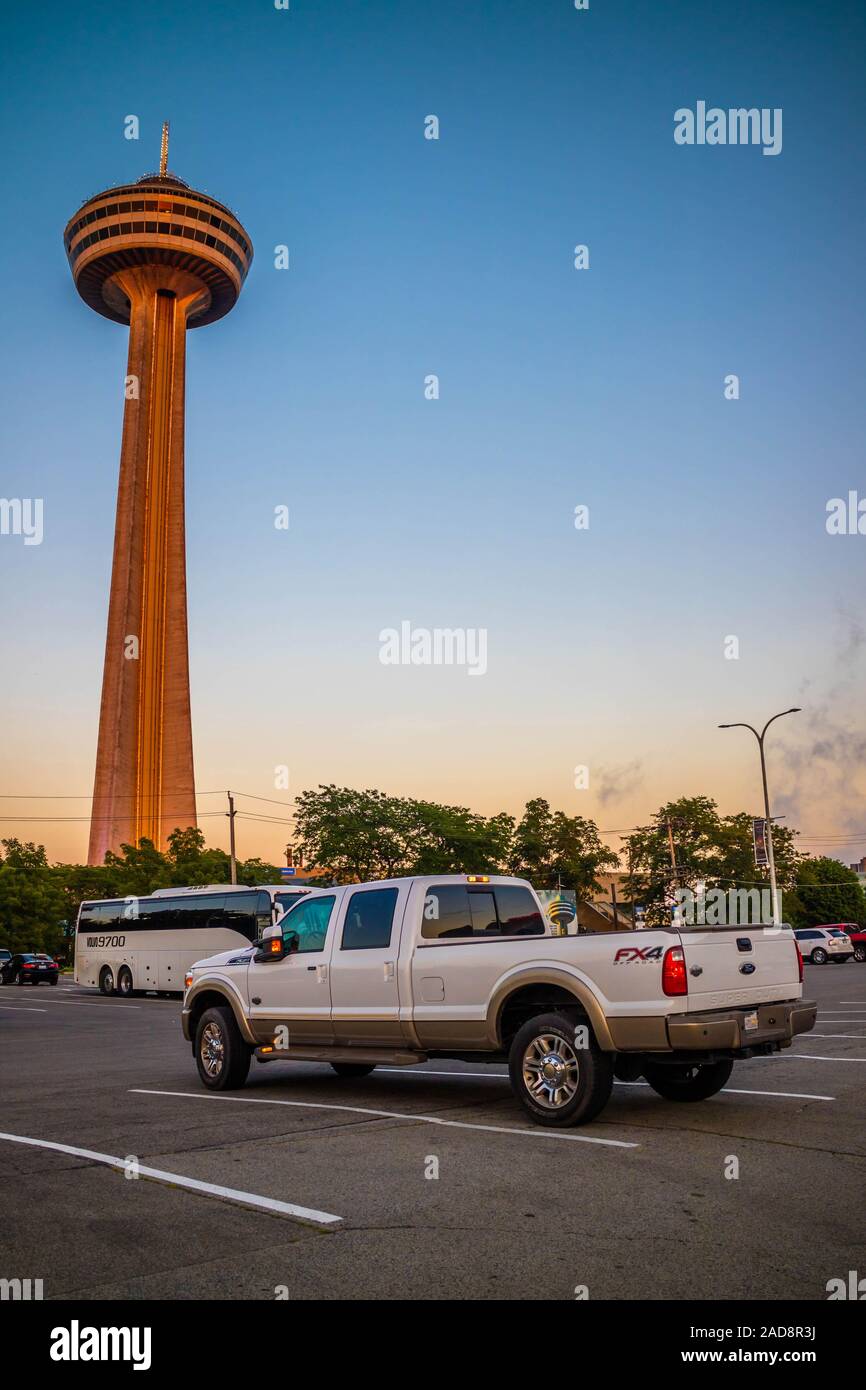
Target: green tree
[
  {"x": 709, "y": 848},
  {"x": 354, "y": 835},
  {"x": 550, "y": 847},
  {"x": 31, "y": 899},
  {"x": 825, "y": 891}
]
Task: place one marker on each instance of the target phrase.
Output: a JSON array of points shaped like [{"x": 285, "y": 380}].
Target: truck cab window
[
  {"x": 310, "y": 920},
  {"x": 369, "y": 918}
]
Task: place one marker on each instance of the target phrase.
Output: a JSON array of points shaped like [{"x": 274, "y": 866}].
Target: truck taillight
[
  {"x": 674, "y": 979},
  {"x": 799, "y": 959}
]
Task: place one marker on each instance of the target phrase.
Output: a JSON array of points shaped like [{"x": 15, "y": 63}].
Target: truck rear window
[{"x": 453, "y": 911}]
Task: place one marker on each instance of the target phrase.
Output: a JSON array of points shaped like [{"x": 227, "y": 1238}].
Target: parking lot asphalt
[{"x": 433, "y": 1183}]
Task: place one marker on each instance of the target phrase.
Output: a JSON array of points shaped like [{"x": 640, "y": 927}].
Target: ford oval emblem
[{"x": 748, "y": 968}]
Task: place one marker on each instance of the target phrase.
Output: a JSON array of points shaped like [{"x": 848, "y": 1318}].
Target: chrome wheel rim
[
  {"x": 125, "y": 983},
  {"x": 551, "y": 1071},
  {"x": 212, "y": 1049},
  {"x": 108, "y": 982}
]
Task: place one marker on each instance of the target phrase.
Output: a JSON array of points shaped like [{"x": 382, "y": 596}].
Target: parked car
[
  {"x": 28, "y": 968},
  {"x": 469, "y": 967},
  {"x": 822, "y": 944},
  {"x": 856, "y": 935}
]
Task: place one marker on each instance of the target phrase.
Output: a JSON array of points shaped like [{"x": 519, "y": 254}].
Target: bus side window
[
  {"x": 264, "y": 914},
  {"x": 240, "y": 913}
]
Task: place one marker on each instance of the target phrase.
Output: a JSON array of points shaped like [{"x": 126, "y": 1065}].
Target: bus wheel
[
  {"x": 221, "y": 1055},
  {"x": 124, "y": 982},
  {"x": 106, "y": 980}
]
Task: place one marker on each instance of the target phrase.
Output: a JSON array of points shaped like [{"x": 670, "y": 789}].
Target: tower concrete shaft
[{"x": 144, "y": 784}]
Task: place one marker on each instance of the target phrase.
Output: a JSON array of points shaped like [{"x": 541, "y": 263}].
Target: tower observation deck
[{"x": 162, "y": 258}]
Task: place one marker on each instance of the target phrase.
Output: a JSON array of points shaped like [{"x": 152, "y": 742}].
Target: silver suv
[{"x": 822, "y": 944}]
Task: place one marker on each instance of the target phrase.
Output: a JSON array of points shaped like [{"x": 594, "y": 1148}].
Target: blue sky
[{"x": 558, "y": 387}]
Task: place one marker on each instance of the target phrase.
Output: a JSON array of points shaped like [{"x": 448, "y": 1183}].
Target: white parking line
[
  {"x": 810, "y": 1057},
  {"x": 82, "y": 1004},
  {"x": 537, "y": 1133},
  {"x": 21, "y": 1009},
  {"x": 738, "y": 1091},
  {"x": 322, "y": 1219},
  {"x": 503, "y": 1076},
  {"x": 858, "y": 1037}
]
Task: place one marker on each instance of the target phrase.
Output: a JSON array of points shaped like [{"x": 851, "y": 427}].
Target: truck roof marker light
[
  {"x": 477, "y": 878},
  {"x": 674, "y": 978}
]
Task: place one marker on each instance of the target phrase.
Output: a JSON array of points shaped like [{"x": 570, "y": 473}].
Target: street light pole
[{"x": 772, "y": 863}]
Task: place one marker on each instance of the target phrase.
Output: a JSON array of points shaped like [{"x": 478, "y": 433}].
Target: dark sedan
[{"x": 29, "y": 969}]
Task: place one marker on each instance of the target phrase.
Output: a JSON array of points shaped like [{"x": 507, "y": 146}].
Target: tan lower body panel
[
  {"x": 639, "y": 1034},
  {"x": 726, "y": 1028},
  {"x": 374, "y": 1032},
  {"x": 449, "y": 1035},
  {"x": 305, "y": 1032}
]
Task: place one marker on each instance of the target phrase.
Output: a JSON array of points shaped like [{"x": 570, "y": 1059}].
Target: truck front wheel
[
  {"x": 690, "y": 1081},
  {"x": 558, "y": 1071},
  {"x": 221, "y": 1055}
]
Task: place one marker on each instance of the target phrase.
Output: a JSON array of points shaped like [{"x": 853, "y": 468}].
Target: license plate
[{"x": 750, "y": 1022}]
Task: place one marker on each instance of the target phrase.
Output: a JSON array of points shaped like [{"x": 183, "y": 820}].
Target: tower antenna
[{"x": 163, "y": 153}]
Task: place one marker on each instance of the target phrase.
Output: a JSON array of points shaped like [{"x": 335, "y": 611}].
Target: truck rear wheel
[
  {"x": 221, "y": 1055},
  {"x": 349, "y": 1069},
  {"x": 559, "y": 1074},
  {"x": 690, "y": 1081}
]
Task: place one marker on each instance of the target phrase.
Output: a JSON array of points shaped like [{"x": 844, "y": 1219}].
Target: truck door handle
[{"x": 389, "y": 970}]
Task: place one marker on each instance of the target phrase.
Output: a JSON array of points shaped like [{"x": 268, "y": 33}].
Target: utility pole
[
  {"x": 671, "y": 846},
  {"x": 774, "y": 892},
  {"x": 231, "y": 815},
  {"x": 613, "y": 904}
]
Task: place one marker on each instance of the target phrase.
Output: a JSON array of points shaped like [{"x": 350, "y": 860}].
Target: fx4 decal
[{"x": 628, "y": 954}]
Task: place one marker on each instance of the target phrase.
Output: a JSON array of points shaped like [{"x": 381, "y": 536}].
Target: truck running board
[{"x": 364, "y": 1056}]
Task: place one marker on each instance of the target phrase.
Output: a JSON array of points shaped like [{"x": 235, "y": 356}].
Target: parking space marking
[
  {"x": 811, "y": 1057},
  {"x": 321, "y": 1219},
  {"x": 536, "y": 1133},
  {"x": 858, "y": 1037},
  {"x": 82, "y": 1004},
  {"x": 21, "y": 1009},
  {"x": 738, "y": 1091},
  {"x": 503, "y": 1076}
]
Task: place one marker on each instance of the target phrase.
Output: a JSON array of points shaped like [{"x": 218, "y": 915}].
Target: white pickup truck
[{"x": 468, "y": 966}]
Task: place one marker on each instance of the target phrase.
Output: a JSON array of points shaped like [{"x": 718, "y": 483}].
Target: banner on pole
[{"x": 759, "y": 840}]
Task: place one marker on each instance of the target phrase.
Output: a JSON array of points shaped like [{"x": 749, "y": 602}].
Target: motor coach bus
[{"x": 128, "y": 944}]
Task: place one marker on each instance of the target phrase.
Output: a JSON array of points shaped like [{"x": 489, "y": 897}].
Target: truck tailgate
[{"x": 740, "y": 965}]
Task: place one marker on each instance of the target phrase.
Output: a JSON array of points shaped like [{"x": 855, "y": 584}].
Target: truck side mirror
[{"x": 271, "y": 948}]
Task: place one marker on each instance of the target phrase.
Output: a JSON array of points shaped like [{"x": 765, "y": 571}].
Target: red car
[{"x": 857, "y": 935}]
